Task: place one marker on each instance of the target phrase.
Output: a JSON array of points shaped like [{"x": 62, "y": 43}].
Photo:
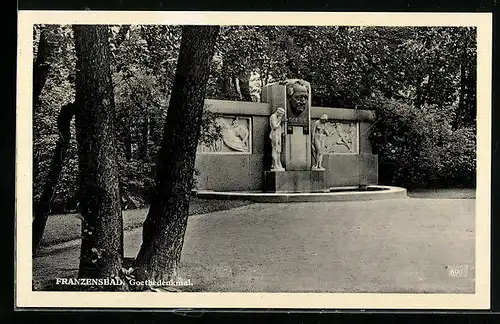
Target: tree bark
[
  {"x": 229, "y": 91},
  {"x": 102, "y": 227},
  {"x": 461, "y": 98},
  {"x": 470, "y": 94},
  {"x": 128, "y": 135},
  {"x": 42, "y": 207},
  {"x": 41, "y": 69},
  {"x": 143, "y": 147},
  {"x": 165, "y": 225},
  {"x": 122, "y": 34},
  {"x": 243, "y": 77}
]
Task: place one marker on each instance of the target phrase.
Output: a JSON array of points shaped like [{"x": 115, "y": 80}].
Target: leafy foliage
[
  {"x": 418, "y": 147},
  {"x": 421, "y": 81}
]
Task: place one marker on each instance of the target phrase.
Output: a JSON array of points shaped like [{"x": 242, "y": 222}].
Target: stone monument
[
  {"x": 297, "y": 172},
  {"x": 320, "y": 131},
  {"x": 276, "y": 124}
]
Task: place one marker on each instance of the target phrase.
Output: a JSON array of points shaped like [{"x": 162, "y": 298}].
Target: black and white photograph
[{"x": 253, "y": 160}]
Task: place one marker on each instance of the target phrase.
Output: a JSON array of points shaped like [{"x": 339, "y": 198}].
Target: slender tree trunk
[
  {"x": 244, "y": 83},
  {"x": 229, "y": 90},
  {"x": 143, "y": 148},
  {"x": 102, "y": 228},
  {"x": 124, "y": 122},
  {"x": 128, "y": 135},
  {"x": 470, "y": 95},
  {"x": 42, "y": 207},
  {"x": 419, "y": 95},
  {"x": 41, "y": 69},
  {"x": 459, "y": 119},
  {"x": 165, "y": 225},
  {"x": 122, "y": 34}
]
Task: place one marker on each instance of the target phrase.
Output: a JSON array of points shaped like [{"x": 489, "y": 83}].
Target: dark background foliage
[{"x": 420, "y": 81}]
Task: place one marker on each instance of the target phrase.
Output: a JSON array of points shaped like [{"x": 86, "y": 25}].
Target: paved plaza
[{"x": 394, "y": 245}]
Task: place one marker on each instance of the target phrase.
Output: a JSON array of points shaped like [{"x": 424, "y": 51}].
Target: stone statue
[
  {"x": 298, "y": 95},
  {"x": 276, "y": 130},
  {"x": 320, "y": 131}
]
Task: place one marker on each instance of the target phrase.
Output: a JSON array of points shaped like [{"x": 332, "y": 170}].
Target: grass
[
  {"x": 452, "y": 193},
  {"x": 67, "y": 227}
]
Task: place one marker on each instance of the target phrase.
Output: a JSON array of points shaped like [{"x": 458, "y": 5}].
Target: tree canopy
[{"x": 421, "y": 72}]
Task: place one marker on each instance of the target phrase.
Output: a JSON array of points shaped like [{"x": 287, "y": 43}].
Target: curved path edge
[{"x": 385, "y": 192}]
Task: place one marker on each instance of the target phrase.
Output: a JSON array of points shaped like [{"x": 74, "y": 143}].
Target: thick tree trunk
[
  {"x": 102, "y": 227},
  {"x": 42, "y": 207},
  {"x": 165, "y": 225}
]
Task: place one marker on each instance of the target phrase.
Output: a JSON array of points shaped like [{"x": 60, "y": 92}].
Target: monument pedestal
[{"x": 294, "y": 181}]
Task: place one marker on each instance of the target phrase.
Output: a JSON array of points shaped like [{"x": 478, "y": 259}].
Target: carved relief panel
[
  {"x": 236, "y": 136},
  {"x": 343, "y": 138}
]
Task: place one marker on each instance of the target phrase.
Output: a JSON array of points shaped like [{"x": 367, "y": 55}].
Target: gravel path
[{"x": 396, "y": 245}]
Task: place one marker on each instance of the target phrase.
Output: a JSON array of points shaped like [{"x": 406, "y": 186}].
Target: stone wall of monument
[
  {"x": 238, "y": 160},
  {"x": 232, "y": 165},
  {"x": 350, "y": 161}
]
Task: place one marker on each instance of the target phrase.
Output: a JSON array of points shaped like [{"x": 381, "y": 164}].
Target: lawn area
[
  {"x": 67, "y": 227},
  {"x": 453, "y": 193}
]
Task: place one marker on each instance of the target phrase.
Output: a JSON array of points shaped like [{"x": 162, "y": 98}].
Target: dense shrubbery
[{"x": 418, "y": 147}]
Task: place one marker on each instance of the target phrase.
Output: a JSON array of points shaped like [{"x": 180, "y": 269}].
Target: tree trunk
[
  {"x": 42, "y": 207},
  {"x": 41, "y": 69},
  {"x": 229, "y": 91},
  {"x": 128, "y": 136},
  {"x": 419, "y": 95},
  {"x": 122, "y": 34},
  {"x": 102, "y": 227},
  {"x": 165, "y": 225},
  {"x": 470, "y": 95},
  {"x": 244, "y": 84},
  {"x": 459, "y": 119},
  {"x": 143, "y": 147}
]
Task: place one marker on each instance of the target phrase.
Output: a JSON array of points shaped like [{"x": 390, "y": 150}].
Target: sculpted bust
[{"x": 298, "y": 95}]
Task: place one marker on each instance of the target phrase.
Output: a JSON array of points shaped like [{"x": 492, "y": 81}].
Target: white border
[{"x": 23, "y": 275}]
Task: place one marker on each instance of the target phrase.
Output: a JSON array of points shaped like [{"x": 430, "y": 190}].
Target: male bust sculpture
[
  {"x": 298, "y": 95},
  {"x": 276, "y": 130},
  {"x": 320, "y": 131}
]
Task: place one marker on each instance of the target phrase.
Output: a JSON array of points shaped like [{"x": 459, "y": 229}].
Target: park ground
[{"x": 394, "y": 245}]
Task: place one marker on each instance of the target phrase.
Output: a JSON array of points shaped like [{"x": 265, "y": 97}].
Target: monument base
[{"x": 294, "y": 181}]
